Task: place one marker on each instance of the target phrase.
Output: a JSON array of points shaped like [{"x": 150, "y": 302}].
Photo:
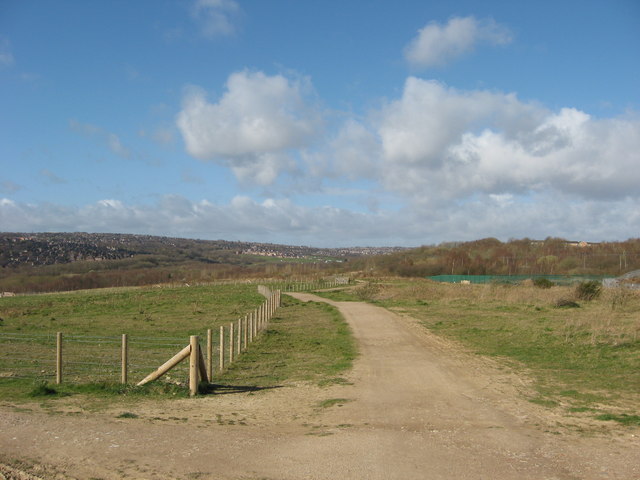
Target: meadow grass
[
  {"x": 168, "y": 312},
  {"x": 580, "y": 358},
  {"x": 305, "y": 341}
]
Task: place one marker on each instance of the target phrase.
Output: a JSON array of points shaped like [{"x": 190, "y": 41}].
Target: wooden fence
[{"x": 89, "y": 358}]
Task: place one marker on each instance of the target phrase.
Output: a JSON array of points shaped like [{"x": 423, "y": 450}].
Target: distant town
[{"x": 34, "y": 249}]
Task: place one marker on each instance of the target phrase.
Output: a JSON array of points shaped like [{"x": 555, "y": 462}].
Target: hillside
[
  {"x": 37, "y": 249},
  {"x": 42, "y": 262},
  {"x": 489, "y": 256}
]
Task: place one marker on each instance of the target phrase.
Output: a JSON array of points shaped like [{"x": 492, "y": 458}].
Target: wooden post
[
  {"x": 221, "y": 347},
  {"x": 231, "y": 340},
  {"x": 59, "y": 358},
  {"x": 193, "y": 365},
  {"x": 202, "y": 366},
  {"x": 125, "y": 358},
  {"x": 209, "y": 354},
  {"x": 245, "y": 324},
  {"x": 250, "y": 327},
  {"x": 239, "y": 338}
]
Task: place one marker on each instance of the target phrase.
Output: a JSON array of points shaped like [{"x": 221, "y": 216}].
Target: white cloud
[
  {"x": 241, "y": 219},
  {"x": 438, "y": 44},
  {"x": 252, "y": 126},
  {"x": 439, "y": 144},
  {"x": 216, "y": 17},
  {"x": 282, "y": 221},
  {"x": 355, "y": 151}
]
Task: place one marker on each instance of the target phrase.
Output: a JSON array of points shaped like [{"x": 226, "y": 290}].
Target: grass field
[
  {"x": 307, "y": 342},
  {"x": 585, "y": 358}
]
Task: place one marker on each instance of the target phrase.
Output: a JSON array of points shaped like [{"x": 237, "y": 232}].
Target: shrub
[
  {"x": 588, "y": 290},
  {"x": 543, "y": 283},
  {"x": 565, "y": 303}
]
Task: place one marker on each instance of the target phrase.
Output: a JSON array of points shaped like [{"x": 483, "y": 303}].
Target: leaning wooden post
[
  {"x": 168, "y": 365},
  {"x": 193, "y": 365},
  {"x": 59, "y": 358},
  {"x": 221, "y": 347},
  {"x": 125, "y": 357},
  {"x": 209, "y": 354}
]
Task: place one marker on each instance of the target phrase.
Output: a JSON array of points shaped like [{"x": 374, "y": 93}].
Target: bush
[
  {"x": 566, "y": 303},
  {"x": 543, "y": 283},
  {"x": 588, "y": 290}
]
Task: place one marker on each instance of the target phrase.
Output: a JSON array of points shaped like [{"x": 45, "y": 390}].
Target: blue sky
[{"x": 321, "y": 123}]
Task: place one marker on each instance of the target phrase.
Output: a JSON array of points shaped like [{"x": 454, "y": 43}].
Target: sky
[{"x": 329, "y": 124}]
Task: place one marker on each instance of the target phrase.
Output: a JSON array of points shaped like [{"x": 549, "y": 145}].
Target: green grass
[
  {"x": 623, "y": 418},
  {"x": 26, "y": 390},
  {"x": 127, "y": 415},
  {"x": 330, "y": 402},
  {"x": 158, "y": 322},
  {"x": 178, "y": 311},
  {"x": 305, "y": 341}
]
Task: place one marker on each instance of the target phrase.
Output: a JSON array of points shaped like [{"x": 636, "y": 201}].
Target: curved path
[{"x": 418, "y": 408}]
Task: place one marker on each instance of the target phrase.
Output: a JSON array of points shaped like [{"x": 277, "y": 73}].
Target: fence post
[
  {"x": 221, "y": 347},
  {"x": 245, "y": 324},
  {"x": 254, "y": 314},
  {"x": 125, "y": 358},
  {"x": 193, "y": 365},
  {"x": 59, "y": 358},
  {"x": 231, "y": 340},
  {"x": 239, "y": 338},
  {"x": 209, "y": 354}
]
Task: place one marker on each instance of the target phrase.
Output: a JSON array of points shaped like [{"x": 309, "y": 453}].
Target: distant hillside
[
  {"x": 37, "y": 249},
  {"x": 45, "y": 262},
  {"x": 490, "y": 256}
]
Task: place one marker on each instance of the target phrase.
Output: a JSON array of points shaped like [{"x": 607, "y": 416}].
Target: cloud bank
[{"x": 283, "y": 221}]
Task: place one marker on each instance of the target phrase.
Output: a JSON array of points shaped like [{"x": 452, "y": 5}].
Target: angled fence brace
[{"x": 168, "y": 365}]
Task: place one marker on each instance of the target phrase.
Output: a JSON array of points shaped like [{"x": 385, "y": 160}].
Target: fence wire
[
  {"x": 85, "y": 358},
  {"x": 93, "y": 358}
]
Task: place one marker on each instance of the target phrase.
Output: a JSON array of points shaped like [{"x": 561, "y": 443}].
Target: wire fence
[
  {"x": 93, "y": 358},
  {"x": 85, "y": 358}
]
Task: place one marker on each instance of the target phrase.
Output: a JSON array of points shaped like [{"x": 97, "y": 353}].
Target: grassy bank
[
  {"x": 305, "y": 341},
  {"x": 581, "y": 357}
]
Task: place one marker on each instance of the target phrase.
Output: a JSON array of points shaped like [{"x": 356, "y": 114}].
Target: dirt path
[{"x": 418, "y": 408}]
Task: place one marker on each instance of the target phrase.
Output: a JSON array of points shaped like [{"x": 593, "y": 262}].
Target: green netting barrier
[{"x": 515, "y": 279}]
